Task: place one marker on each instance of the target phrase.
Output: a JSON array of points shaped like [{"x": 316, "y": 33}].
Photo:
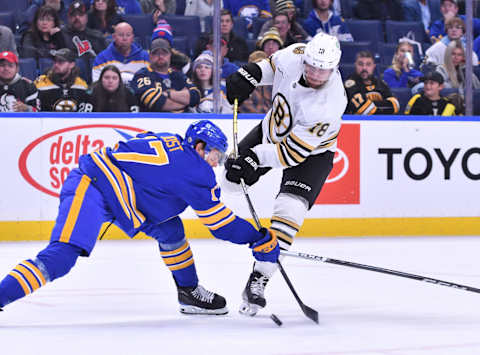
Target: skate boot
[
  {"x": 198, "y": 300},
  {"x": 252, "y": 295}
]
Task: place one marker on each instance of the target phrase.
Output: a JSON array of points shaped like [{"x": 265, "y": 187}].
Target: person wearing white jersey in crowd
[{"x": 298, "y": 134}]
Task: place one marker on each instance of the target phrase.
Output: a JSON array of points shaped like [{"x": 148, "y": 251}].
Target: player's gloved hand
[
  {"x": 266, "y": 249},
  {"x": 244, "y": 167},
  {"x": 241, "y": 83}
]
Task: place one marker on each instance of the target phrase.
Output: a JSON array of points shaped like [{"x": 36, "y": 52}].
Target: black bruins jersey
[
  {"x": 64, "y": 99},
  {"x": 19, "y": 89},
  {"x": 372, "y": 99},
  {"x": 419, "y": 104}
]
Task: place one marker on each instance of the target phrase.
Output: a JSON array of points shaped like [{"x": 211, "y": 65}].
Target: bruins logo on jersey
[
  {"x": 65, "y": 105},
  {"x": 299, "y": 50},
  {"x": 280, "y": 118}
]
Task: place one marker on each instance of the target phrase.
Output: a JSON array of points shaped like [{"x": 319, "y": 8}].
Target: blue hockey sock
[
  {"x": 179, "y": 259},
  {"x": 29, "y": 275}
]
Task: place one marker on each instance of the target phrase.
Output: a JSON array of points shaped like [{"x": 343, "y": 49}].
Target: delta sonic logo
[
  {"x": 46, "y": 162},
  {"x": 343, "y": 182}
]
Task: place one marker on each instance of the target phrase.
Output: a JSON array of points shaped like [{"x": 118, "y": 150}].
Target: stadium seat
[
  {"x": 44, "y": 64},
  {"x": 381, "y": 69},
  {"x": 188, "y": 26},
  {"x": 181, "y": 43},
  {"x": 387, "y": 50},
  {"x": 142, "y": 24},
  {"x": 366, "y": 30},
  {"x": 350, "y": 50},
  {"x": 17, "y": 6},
  {"x": 180, "y": 7},
  {"x": 346, "y": 69},
  {"x": 8, "y": 19},
  {"x": 448, "y": 91},
  {"x": 28, "y": 68},
  {"x": 476, "y": 102},
  {"x": 398, "y": 29},
  {"x": 402, "y": 95}
]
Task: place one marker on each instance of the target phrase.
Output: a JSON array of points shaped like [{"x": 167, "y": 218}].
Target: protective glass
[
  {"x": 317, "y": 74},
  {"x": 215, "y": 156}
]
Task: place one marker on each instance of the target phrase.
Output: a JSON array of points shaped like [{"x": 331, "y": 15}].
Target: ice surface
[{"x": 122, "y": 300}]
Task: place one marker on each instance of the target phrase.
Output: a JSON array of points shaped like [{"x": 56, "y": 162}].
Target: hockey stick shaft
[
  {"x": 309, "y": 312},
  {"x": 379, "y": 270}
]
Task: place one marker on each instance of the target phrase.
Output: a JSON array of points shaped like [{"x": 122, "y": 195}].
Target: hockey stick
[
  {"x": 324, "y": 259},
  {"x": 309, "y": 312}
]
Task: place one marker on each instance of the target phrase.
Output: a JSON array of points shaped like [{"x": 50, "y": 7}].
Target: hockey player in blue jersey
[{"x": 143, "y": 184}]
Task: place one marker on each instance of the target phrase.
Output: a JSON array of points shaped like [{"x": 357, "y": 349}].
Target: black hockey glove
[
  {"x": 241, "y": 83},
  {"x": 245, "y": 166}
]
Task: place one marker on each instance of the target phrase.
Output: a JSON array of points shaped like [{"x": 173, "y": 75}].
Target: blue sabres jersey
[{"x": 154, "y": 177}]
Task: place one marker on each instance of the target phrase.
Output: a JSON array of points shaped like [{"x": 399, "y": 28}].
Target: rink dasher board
[{"x": 391, "y": 176}]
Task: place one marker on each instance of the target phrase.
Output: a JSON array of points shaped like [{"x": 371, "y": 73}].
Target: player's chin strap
[{"x": 309, "y": 312}]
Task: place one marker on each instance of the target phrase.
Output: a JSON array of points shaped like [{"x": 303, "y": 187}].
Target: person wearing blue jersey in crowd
[
  {"x": 248, "y": 9},
  {"x": 158, "y": 87},
  {"x": 143, "y": 184},
  {"x": 322, "y": 19}
]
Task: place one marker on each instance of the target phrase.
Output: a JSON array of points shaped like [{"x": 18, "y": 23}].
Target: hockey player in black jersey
[
  {"x": 17, "y": 94},
  {"x": 61, "y": 89},
  {"x": 368, "y": 95}
]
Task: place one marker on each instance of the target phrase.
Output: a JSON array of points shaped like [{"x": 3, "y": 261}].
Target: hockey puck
[{"x": 276, "y": 320}]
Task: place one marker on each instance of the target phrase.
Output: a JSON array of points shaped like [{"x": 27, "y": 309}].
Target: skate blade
[
  {"x": 248, "y": 309},
  {"x": 185, "y": 309}
]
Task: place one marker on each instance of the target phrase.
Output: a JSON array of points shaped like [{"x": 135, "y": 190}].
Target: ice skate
[
  {"x": 253, "y": 298},
  {"x": 198, "y": 300}
]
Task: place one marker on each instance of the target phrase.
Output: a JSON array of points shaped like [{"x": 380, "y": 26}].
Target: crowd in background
[{"x": 399, "y": 56}]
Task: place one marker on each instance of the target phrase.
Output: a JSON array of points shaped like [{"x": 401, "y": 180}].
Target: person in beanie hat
[
  {"x": 270, "y": 42},
  {"x": 163, "y": 31},
  {"x": 202, "y": 77},
  {"x": 296, "y": 31},
  {"x": 17, "y": 94},
  {"x": 61, "y": 88}
]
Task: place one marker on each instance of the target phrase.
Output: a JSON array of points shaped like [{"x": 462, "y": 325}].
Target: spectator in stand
[
  {"x": 426, "y": 11},
  {"x": 158, "y": 8},
  {"x": 402, "y": 72},
  {"x": 43, "y": 36},
  {"x": 83, "y": 41},
  {"x": 200, "y": 8},
  {"x": 157, "y": 87},
  {"x": 260, "y": 100},
  {"x": 17, "y": 94},
  {"x": 130, "y": 7},
  {"x": 109, "y": 93},
  {"x": 202, "y": 77},
  {"x": 103, "y": 16},
  {"x": 449, "y": 10},
  {"x": 453, "y": 68},
  {"x": 296, "y": 30},
  {"x": 378, "y": 10},
  {"x": 228, "y": 67},
  {"x": 368, "y": 95},
  {"x": 58, "y": 5},
  {"x": 61, "y": 88},
  {"x": 322, "y": 19},
  {"x": 270, "y": 42},
  {"x": 7, "y": 40},
  {"x": 430, "y": 102},
  {"x": 237, "y": 46},
  {"x": 281, "y": 22},
  {"x": 476, "y": 46},
  {"x": 455, "y": 28},
  {"x": 249, "y": 9},
  {"x": 123, "y": 53}
]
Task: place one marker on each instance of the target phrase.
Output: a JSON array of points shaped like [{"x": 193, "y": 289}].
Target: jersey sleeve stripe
[
  {"x": 147, "y": 95},
  {"x": 133, "y": 198},
  {"x": 281, "y": 157},
  {"x": 283, "y": 236},
  {"x": 216, "y": 217},
  {"x": 410, "y": 103},
  {"x": 74, "y": 210},
  {"x": 154, "y": 99},
  {"x": 394, "y": 101},
  {"x": 364, "y": 107},
  {"x": 301, "y": 143},
  {"x": 449, "y": 110},
  {"x": 230, "y": 218},
  {"x": 297, "y": 148},
  {"x": 212, "y": 210},
  {"x": 293, "y": 155}
]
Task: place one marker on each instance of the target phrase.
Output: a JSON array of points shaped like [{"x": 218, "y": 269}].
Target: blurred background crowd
[{"x": 398, "y": 56}]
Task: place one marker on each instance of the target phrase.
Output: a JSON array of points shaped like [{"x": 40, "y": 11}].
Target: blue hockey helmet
[{"x": 209, "y": 133}]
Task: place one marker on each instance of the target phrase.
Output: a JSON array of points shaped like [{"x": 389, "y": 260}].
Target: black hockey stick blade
[{"x": 308, "y": 311}]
